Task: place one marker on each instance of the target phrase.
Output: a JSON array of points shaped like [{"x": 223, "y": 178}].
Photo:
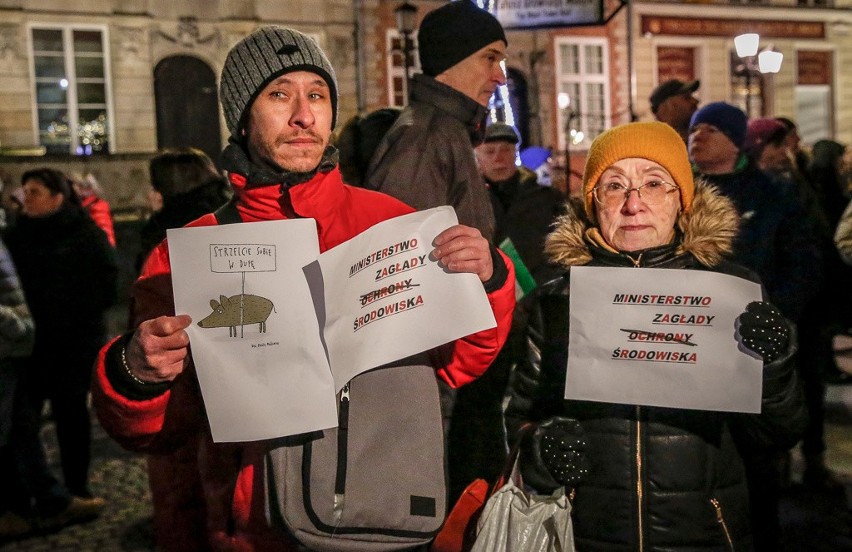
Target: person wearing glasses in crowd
[{"x": 647, "y": 477}]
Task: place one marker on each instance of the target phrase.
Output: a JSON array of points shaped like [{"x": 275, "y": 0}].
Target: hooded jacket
[
  {"x": 659, "y": 478},
  {"x": 170, "y": 418},
  {"x": 426, "y": 158}
]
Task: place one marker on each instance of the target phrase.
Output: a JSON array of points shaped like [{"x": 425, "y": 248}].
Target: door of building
[{"x": 187, "y": 105}]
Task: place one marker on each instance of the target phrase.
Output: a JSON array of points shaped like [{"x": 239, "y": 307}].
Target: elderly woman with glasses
[{"x": 645, "y": 477}]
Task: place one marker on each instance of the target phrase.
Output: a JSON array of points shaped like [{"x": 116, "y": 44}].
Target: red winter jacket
[
  {"x": 99, "y": 211},
  {"x": 174, "y": 423}
]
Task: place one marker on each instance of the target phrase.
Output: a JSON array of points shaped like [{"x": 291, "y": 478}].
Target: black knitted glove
[
  {"x": 763, "y": 330},
  {"x": 560, "y": 445}
]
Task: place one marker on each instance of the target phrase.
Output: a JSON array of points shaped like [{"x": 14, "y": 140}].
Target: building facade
[{"x": 98, "y": 86}]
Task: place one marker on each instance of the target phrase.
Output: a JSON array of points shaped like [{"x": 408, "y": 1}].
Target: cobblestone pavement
[{"x": 811, "y": 522}]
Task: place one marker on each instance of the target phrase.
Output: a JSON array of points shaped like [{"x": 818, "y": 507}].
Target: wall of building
[
  {"x": 141, "y": 34},
  {"x": 352, "y": 32}
]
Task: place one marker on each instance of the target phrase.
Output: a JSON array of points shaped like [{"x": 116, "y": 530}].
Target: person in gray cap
[
  {"x": 279, "y": 97},
  {"x": 524, "y": 212},
  {"x": 673, "y": 102},
  {"x": 426, "y": 158}
]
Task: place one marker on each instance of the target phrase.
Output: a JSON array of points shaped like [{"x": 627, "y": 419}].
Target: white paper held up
[
  {"x": 386, "y": 299},
  {"x": 661, "y": 337},
  {"x": 254, "y": 337}
]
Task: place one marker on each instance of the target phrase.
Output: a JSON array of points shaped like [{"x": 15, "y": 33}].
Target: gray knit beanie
[{"x": 262, "y": 56}]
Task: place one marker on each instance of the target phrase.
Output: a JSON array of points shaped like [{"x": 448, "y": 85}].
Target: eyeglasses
[{"x": 614, "y": 194}]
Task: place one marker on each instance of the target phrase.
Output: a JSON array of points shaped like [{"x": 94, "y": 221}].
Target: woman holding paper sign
[{"x": 648, "y": 478}]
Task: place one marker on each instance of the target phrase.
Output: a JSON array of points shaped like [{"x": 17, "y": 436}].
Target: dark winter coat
[
  {"x": 69, "y": 274},
  {"x": 524, "y": 212},
  {"x": 659, "y": 478},
  {"x": 179, "y": 210},
  {"x": 776, "y": 238},
  {"x": 16, "y": 336},
  {"x": 426, "y": 158}
]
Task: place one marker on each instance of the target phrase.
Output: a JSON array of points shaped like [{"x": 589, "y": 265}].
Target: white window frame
[
  {"x": 70, "y": 72},
  {"x": 814, "y": 111},
  {"x": 564, "y": 80}
]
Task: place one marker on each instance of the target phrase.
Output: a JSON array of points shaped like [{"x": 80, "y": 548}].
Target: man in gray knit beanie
[
  {"x": 264, "y": 55},
  {"x": 279, "y": 98}
]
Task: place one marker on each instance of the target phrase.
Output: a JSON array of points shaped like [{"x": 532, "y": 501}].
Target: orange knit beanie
[{"x": 654, "y": 141}]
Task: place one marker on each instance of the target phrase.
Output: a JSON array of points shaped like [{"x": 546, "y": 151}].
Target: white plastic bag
[{"x": 517, "y": 521}]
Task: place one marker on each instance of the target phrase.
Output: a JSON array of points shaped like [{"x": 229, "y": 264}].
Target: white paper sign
[
  {"x": 386, "y": 299},
  {"x": 257, "y": 352},
  {"x": 520, "y": 14},
  {"x": 278, "y": 328},
  {"x": 661, "y": 337}
]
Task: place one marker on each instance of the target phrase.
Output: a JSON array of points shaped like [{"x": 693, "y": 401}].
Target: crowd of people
[{"x": 703, "y": 188}]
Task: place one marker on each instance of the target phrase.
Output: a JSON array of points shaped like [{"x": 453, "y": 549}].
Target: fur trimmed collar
[{"x": 706, "y": 232}]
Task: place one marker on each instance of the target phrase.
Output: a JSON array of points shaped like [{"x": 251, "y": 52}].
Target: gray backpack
[{"x": 377, "y": 482}]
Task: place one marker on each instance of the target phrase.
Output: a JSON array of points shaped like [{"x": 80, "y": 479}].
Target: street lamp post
[
  {"x": 406, "y": 20},
  {"x": 768, "y": 60}
]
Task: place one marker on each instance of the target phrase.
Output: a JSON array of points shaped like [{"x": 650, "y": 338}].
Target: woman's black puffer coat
[{"x": 659, "y": 479}]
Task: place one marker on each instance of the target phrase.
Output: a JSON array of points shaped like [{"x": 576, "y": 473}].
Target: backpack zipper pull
[{"x": 342, "y": 439}]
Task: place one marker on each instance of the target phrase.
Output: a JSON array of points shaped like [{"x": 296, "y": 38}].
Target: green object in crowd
[{"x": 524, "y": 282}]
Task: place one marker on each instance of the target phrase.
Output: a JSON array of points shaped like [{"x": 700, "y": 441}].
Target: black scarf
[{"x": 235, "y": 159}]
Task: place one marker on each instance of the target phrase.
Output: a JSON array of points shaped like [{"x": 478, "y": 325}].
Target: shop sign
[
  {"x": 687, "y": 26},
  {"x": 524, "y": 14}
]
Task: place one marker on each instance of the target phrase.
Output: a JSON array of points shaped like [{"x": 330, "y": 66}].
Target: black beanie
[
  {"x": 453, "y": 32},
  {"x": 262, "y": 56}
]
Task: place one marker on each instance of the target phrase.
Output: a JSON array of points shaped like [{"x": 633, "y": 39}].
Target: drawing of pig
[{"x": 226, "y": 312}]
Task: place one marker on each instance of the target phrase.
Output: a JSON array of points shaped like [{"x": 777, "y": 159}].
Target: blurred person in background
[
  {"x": 767, "y": 143},
  {"x": 776, "y": 240},
  {"x": 68, "y": 271},
  {"x": 16, "y": 340},
  {"x": 673, "y": 102},
  {"x": 185, "y": 185},
  {"x": 524, "y": 212},
  {"x": 828, "y": 172},
  {"x": 357, "y": 140},
  {"x": 90, "y": 193},
  {"x": 797, "y": 157}
]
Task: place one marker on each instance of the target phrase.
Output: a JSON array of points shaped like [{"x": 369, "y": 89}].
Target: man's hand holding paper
[{"x": 334, "y": 315}]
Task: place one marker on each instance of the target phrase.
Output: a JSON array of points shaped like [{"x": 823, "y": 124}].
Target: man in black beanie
[{"x": 426, "y": 158}]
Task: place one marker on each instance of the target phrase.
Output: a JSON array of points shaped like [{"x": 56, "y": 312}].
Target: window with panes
[
  {"x": 581, "y": 73},
  {"x": 71, "y": 89},
  {"x": 397, "y": 83}
]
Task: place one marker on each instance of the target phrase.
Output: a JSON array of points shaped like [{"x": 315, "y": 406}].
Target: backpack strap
[{"x": 227, "y": 213}]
